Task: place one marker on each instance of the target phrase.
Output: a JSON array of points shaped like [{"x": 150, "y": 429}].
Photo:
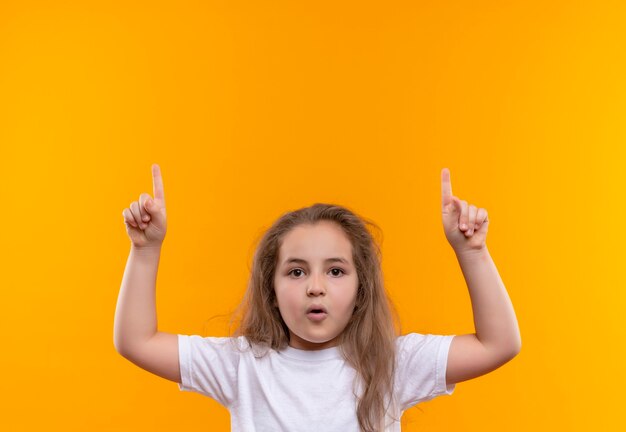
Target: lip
[
  {"x": 316, "y": 306},
  {"x": 316, "y": 316}
]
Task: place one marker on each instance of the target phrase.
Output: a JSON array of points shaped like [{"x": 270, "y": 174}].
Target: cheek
[
  {"x": 349, "y": 299},
  {"x": 287, "y": 300},
  {"x": 350, "y": 302}
]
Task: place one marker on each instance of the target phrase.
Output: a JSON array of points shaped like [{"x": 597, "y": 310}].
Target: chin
[
  {"x": 314, "y": 340},
  {"x": 319, "y": 340}
]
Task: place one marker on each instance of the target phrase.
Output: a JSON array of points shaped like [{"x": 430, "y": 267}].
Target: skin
[{"x": 300, "y": 285}]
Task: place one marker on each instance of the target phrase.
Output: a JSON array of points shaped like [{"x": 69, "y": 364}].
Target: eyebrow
[{"x": 302, "y": 261}]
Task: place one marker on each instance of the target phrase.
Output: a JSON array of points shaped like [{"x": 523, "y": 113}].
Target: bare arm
[
  {"x": 135, "y": 335},
  {"x": 497, "y": 339},
  {"x": 135, "y": 314},
  {"x": 494, "y": 316}
]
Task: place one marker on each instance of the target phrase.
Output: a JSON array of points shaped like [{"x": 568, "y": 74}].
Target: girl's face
[{"x": 312, "y": 280}]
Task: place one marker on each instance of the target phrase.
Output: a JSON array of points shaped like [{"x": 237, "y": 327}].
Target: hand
[
  {"x": 146, "y": 222},
  {"x": 456, "y": 214}
]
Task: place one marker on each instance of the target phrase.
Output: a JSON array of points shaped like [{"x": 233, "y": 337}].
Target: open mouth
[{"x": 316, "y": 308}]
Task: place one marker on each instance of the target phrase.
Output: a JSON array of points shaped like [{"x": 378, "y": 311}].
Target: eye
[
  {"x": 334, "y": 268},
  {"x": 337, "y": 268},
  {"x": 296, "y": 269}
]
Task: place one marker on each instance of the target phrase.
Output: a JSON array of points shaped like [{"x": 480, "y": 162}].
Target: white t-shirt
[{"x": 300, "y": 390}]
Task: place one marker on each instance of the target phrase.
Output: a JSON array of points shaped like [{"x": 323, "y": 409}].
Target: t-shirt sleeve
[
  {"x": 421, "y": 368},
  {"x": 209, "y": 365}
]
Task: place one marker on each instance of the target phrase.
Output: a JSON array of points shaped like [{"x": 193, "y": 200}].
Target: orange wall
[{"x": 255, "y": 108}]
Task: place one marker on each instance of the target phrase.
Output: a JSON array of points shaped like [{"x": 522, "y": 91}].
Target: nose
[{"x": 316, "y": 286}]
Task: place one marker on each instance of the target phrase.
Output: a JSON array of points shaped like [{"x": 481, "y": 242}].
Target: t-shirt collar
[{"x": 311, "y": 355}]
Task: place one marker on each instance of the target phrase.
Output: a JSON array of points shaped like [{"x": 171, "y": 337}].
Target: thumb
[
  {"x": 457, "y": 208},
  {"x": 152, "y": 207},
  {"x": 157, "y": 212},
  {"x": 149, "y": 205},
  {"x": 454, "y": 207}
]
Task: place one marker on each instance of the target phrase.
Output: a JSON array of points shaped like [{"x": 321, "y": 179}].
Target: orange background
[{"x": 255, "y": 108}]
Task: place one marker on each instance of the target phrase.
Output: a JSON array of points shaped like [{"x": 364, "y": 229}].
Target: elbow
[
  {"x": 511, "y": 350},
  {"x": 128, "y": 348},
  {"x": 509, "y": 354},
  {"x": 124, "y": 352},
  {"x": 120, "y": 347},
  {"x": 516, "y": 348}
]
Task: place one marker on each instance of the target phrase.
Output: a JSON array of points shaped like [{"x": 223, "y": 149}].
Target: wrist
[
  {"x": 145, "y": 250},
  {"x": 473, "y": 254}
]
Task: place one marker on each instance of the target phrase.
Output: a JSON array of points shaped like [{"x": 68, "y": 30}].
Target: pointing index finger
[
  {"x": 446, "y": 186},
  {"x": 157, "y": 183}
]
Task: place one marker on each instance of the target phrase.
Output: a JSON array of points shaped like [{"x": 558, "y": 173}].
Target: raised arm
[
  {"x": 497, "y": 339},
  {"x": 136, "y": 336}
]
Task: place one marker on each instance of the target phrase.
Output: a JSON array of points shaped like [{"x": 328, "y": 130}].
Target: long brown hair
[{"x": 368, "y": 341}]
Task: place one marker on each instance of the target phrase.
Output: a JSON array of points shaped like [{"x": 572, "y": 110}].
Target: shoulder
[
  {"x": 226, "y": 345},
  {"x": 197, "y": 343},
  {"x": 416, "y": 343},
  {"x": 420, "y": 338},
  {"x": 415, "y": 338},
  {"x": 421, "y": 367}
]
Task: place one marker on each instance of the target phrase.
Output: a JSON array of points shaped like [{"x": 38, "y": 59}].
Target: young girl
[{"x": 317, "y": 347}]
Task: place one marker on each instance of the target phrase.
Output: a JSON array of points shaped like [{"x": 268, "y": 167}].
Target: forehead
[{"x": 316, "y": 243}]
